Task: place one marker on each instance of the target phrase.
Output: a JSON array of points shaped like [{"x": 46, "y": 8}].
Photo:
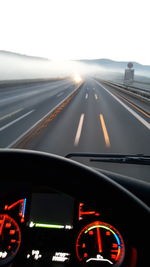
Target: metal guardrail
[{"x": 135, "y": 92}]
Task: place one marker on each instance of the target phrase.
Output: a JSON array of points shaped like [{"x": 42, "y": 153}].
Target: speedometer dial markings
[
  {"x": 10, "y": 238},
  {"x": 21, "y": 207},
  {"x": 2, "y": 221},
  {"x": 12, "y": 232},
  {"x": 105, "y": 244}
]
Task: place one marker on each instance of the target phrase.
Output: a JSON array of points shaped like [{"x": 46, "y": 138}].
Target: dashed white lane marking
[
  {"x": 78, "y": 134},
  {"x": 96, "y": 97}
]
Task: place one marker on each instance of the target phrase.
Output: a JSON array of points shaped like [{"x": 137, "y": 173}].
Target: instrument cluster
[{"x": 56, "y": 230}]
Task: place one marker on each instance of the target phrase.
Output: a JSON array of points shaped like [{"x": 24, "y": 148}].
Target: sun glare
[{"x": 77, "y": 78}]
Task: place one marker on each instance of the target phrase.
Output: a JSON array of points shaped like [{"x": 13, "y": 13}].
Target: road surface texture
[{"x": 95, "y": 119}]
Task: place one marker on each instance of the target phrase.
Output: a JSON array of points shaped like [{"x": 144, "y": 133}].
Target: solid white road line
[
  {"x": 78, "y": 134},
  {"x": 137, "y": 116},
  {"x": 14, "y": 121}
]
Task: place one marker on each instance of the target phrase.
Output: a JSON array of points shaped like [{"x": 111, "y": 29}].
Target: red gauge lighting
[
  {"x": 22, "y": 206},
  {"x": 84, "y": 212},
  {"x": 10, "y": 238},
  {"x": 105, "y": 245}
]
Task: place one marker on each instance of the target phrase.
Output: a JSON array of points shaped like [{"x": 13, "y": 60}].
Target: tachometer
[
  {"x": 99, "y": 242},
  {"x": 10, "y": 238}
]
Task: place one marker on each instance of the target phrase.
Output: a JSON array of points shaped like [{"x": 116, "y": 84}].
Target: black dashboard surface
[{"x": 63, "y": 213}]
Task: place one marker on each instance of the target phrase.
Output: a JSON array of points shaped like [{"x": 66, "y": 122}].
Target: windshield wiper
[{"x": 139, "y": 159}]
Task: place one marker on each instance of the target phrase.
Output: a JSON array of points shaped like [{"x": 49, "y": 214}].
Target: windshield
[{"x": 75, "y": 77}]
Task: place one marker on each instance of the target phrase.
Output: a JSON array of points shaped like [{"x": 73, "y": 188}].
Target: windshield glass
[{"x": 75, "y": 77}]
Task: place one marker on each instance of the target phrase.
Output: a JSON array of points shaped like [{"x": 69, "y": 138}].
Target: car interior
[
  {"x": 74, "y": 133},
  {"x": 58, "y": 212}
]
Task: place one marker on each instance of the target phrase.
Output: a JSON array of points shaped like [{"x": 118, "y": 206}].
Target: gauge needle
[
  {"x": 99, "y": 240},
  {"x": 2, "y": 224}
]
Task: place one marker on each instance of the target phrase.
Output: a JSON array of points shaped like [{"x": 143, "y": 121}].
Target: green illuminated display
[{"x": 43, "y": 225}]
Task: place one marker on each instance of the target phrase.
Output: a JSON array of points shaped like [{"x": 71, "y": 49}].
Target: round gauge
[
  {"x": 10, "y": 238},
  {"x": 99, "y": 242}
]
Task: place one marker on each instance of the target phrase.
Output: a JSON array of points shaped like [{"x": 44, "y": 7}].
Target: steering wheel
[{"x": 20, "y": 168}]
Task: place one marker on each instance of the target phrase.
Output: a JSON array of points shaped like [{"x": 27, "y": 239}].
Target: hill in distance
[{"x": 18, "y": 66}]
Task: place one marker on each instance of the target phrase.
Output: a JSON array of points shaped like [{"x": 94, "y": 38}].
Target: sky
[{"x": 77, "y": 29}]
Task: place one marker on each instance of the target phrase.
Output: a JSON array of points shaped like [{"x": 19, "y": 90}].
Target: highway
[
  {"x": 22, "y": 106},
  {"x": 96, "y": 119}
]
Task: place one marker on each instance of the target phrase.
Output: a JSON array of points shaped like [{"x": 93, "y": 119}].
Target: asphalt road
[
  {"x": 22, "y": 106},
  {"x": 96, "y": 119}
]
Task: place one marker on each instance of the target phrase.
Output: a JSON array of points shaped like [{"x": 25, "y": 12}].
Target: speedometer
[
  {"x": 10, "y": 238},
  {"x": 99, "y": 242}
]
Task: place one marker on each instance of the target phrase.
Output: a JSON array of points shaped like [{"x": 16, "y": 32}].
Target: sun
[{"x": 77, "y": 78}]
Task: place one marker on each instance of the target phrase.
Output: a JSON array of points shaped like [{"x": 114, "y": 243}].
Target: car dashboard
[
  {"x": 57, "y": 212},
  {"x": 41, "y": 227}
]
